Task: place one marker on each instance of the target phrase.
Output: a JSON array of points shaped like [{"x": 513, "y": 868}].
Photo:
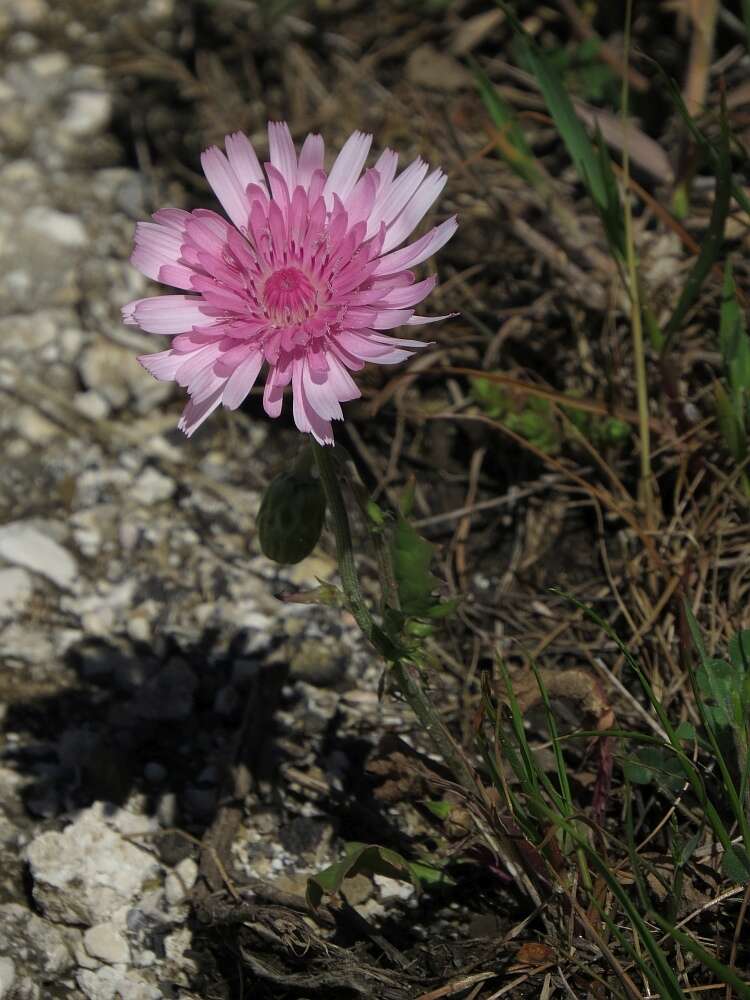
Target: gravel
[{"x": 137, "y": 615}]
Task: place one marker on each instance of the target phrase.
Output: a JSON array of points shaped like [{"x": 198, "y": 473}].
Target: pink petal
[
  {"x": 173, "y": 218},
  {"x": 418, "y": 251},
  {"x": 386, "y": 168},
  {"x": 195, "y": 413},
  {"x": 347, "y": 166},
  {"x": 424, "y": 320},
  {"x": 226, "y": 186},
  {"x": 168, "y": 314},
  {"x": 273, "y": 394},
  {"x": 310, "y": 158},
  {"x": 411, "y": 294},
  {"x": 318, "y": 391},
  {"x": 390, "y": 318},
  {"x": 359, "y": 203},
  {"x": 205, "y": 384},
  {"x": 242, "y": 380},
  {"x": 390, "y": 201},
  {"x": 243, "y": 160},
  {"x": 415, "y": 210},
  {"x": 162, "y": 365},
  {"x": 281, "y": 151},
  {"x": 341, "y": 381}
]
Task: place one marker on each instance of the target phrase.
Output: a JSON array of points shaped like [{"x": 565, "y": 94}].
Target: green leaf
[
  {"x": 657, "y": 766},
  {"x": 412, "y": 559},
  {"x": 717, "y": 680},
  {"x": 706, "y": 145},
  {"x": 736, "y": 865},
  {"x": 713, "y": 240},
  {"x": 732, "y": 430},
  {"x": 439, "y": 808},
  {"x": 739, "y": 651},
  {"x": 512, "y": 141},
  {"x": 592, "y": 162},
  {"x": 370, "y": 859}
]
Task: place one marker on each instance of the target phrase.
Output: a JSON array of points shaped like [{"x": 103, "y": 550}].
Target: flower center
[{"x": 289, "y": 296}]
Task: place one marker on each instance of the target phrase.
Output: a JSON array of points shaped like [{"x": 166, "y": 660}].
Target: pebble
[
  {"x": 7, "y": 977},
  {"x": 45, "y": 953},
  {"x": 180, "y": 881},
  {"x": 104, "y": 941},
  {"x": 91, "y": 404},
  {"x": 15, "y": 592},
  {"x": 152, "y": 487},
  {"x": 86, "y": 873},
  {"x": 24, "y": 545},
  {"x": 88, "y": 112},
  {"x": 60, "y": 227},
  {"x": 116, "y": 984}
]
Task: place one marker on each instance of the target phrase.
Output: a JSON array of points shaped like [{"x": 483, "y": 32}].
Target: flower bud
[{"x": 291, "y": 517}]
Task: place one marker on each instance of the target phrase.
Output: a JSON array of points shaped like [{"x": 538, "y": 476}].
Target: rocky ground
[{"x": 137, "y": 618}]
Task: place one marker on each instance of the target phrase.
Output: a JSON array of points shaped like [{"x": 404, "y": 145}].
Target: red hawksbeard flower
[{"x": 304, "y": 279}]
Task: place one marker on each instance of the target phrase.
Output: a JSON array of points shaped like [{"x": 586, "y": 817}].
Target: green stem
[
  {"x": 344, "y": 548},
  {"x": 404, "y": 673}
]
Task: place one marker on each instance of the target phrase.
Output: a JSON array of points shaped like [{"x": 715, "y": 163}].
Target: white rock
[
  {"x": 88, "y": 872},
  {"x": 29, "y": 12},
  {"x": 152, "y": 486},
  {"x": 88, "y": 112},
  {"x": 91, "y": 404},
  {"x": 24, "y": 545},
  {"x": 104, "y": 941},
  {"x": 41, "y": 945},
  {"x": 49, "y": 64},
  {"x": 7, "y": 977},
  {"x": 27, "y": 644},
  {"x": 16, "y": 589},
  {"x": 180, "y": 881},
  {"x": 60, "y": 227},
  {"x": 115, "y": 984}
]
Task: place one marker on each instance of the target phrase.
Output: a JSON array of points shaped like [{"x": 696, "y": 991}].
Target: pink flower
[{"x": 305, "y": 278}]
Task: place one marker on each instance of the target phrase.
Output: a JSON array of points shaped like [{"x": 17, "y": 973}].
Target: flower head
[{"x": 304, "y": 279}]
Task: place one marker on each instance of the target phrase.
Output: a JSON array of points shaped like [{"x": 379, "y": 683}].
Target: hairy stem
[{"x": 405, "y": 674}]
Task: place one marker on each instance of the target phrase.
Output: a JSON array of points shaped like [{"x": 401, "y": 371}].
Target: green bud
[
  {"x": 420, "y": 630},
  {"x": 291, "y": 517}
]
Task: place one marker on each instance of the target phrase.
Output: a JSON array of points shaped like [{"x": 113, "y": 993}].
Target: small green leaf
[
  {"x": 739, "y": 651},
  {"x": 440, "y": 808},
  {"x": 513, "y": 145},
  {"x": 732, "y": 430},
  {"x": 412, "y": 559},
  {"x": 717, "y": 682},
  {"x": 655, "y": 765},
  {"x": 370, "y": 859},
  {"x": 735, "y": 864}
]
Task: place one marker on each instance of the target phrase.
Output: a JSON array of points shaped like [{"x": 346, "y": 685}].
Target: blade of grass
[
  {"x": 594, "y": 167},
  {"x": 636, "y": 319},
  {"x": 713, "y": 240},
  {"x": 700, "y": 139},
  {"x": 513, "y": 146},
  {"x": 721, "y": 971}
]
